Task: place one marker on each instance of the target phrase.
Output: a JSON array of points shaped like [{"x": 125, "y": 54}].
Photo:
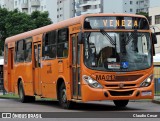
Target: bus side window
[
  {"x": 49, "y": 45},
  {"x": 43, "y": 45},
  {"x": 62, "y": 46},
  {"x": 20, "y": 51},
  {"x": 6, "y": 54},
  {"x": 28, "y": 52}
]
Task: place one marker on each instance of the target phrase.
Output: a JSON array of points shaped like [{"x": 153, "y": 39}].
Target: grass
[
  {"x": 14, "y": 96},
  {"x": 9, "y": 96},
  {"x": 157, "y": 92}
]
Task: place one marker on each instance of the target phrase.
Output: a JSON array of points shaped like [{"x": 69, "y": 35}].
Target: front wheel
[
  {"x": 64, "y": 103},
  {"x": 121, "y": 103}
]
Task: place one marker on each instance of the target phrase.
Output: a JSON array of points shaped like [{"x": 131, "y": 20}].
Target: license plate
[{"x": 146, "y": 93}]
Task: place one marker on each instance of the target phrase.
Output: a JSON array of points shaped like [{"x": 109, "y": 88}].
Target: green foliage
[
  {"x": 9, "y": 96},
  {"x": 40, "y": 19},
  {"x": 144, "y": 14},
  {"x": 18, "y": 22},
  {"x": 15, "y": 22},
  {"x": 3, "y": 14}
]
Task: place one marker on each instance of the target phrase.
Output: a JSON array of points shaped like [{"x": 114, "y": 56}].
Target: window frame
[
  {"x": 29, "y": 42},
  {"x": 56, "y": 44},
  {"x": 17, "y": 50},
  {"x": 157, "y": 17},
  {"x": 24, "y": 50},
  {"x": 6, "y": 54},
  {"x": 49, "y": 45},
  {"x": 63, "y": 42}
]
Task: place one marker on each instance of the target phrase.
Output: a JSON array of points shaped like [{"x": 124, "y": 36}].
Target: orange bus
[{"x": 87, "y": 58}]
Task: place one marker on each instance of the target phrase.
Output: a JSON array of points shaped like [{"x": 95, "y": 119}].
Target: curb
[{"x": 156, "y": 101}]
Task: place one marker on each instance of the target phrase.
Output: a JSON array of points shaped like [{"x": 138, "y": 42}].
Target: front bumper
[{"x": 92, "y": 94}]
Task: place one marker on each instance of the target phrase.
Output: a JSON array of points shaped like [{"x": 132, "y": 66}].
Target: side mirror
[
  {"x": 154, "y": 38},
  {"x": 80, "y": 38}
]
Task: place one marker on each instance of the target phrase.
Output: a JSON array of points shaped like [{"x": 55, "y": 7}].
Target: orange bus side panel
[
  {"x": 75, "y": 28},
  {"x": 49, "y": 76},
  {"x": 23, "y": 72},
  {"x": 11, "y": 44},
  {"x": 5, "y": 73},
  {"x": 37, "y": 38}
]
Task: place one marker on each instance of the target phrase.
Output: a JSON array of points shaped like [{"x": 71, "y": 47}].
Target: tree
[
  {"x": 15, "y": 22},
  {"x": 40, "y": 18},
  {"x": 144, "y": 14},
  {"x": 3, "y": 14}
]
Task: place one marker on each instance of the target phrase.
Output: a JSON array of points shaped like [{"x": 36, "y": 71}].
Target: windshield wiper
[
  {"x": 113, "y": 42},
  {"x": 108, "y": 37},
  {"x": 133, "y": 35}
]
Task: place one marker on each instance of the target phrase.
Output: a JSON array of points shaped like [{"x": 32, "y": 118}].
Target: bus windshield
[{"x": 117, "y": 51}]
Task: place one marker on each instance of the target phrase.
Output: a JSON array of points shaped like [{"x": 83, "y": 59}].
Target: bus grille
[
  {"x": 125, "y": 78},
  {"x": 124, "y": 93},
  {"x": 117, "y": 85}
]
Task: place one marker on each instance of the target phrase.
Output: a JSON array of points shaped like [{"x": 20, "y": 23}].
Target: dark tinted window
[
  {"x": 6, "y": 54},
  {"x": 63, "y": 35},
  {"x": 49, "y": 45},
  {"x": 62, "y": 47},
  {"x": 28, "y": 50},
  {"x": 24, "y": 50},
  {"x": 50, "y": 38},
  {"x": 157, "y": 19},
  {"x": 20, "y": 49}
]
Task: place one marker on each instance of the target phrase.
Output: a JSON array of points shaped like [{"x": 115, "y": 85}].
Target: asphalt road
[
  {"x": 102, "y": 107},
  {"x": 14, "y": 105}
]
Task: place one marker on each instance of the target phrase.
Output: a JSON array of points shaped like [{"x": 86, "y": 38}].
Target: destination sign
[{"x": 118, "y": 22}]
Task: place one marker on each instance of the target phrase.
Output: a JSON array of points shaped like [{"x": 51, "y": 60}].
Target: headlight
[
  {"x": 147, "y": 81},
  {"x": 91, "y": 82}
]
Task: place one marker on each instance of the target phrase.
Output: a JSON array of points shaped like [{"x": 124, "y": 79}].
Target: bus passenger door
[
  {"x": 75, "y": 72},
  {"x": 37, "y": 69},
  {"x": 10, "y": 70}
]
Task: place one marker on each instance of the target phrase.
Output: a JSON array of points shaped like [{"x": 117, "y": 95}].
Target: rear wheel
[
  {"x": 121, "y": 103},
  {"x": 64, "y": 103},
  {"x": 23, "y": 98}
]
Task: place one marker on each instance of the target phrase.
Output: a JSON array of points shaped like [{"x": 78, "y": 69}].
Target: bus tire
[
  {"x": 22, "y": 96},
  {"x": 64, "y": 103},
  {"x": 121, "y": 103}
]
